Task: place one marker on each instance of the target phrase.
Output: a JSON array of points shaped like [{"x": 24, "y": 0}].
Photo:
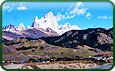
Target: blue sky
[{"x": 83, "y": 14}]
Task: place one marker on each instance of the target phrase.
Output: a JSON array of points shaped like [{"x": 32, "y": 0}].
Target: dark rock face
[
  {"x": 110, "y": 32},
  {"x": 96, "y": 38},
  {"x": 4, "y": 40}
]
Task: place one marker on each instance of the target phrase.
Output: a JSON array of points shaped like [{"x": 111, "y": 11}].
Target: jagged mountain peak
[
  {"x": 28, "y": 27},
  {"x": 49, "y": 14},
  {"x": 48, "y": 21},
  {"x": 36, "y": 19},
  {"x": 67, "y": 25},
  {"x": 9, "y": 27},
  {"x": 21, "y": 26},
  {"x": 35, "y": 22}
]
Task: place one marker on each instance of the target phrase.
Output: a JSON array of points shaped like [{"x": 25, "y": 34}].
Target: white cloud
[
  {"x": 22, "y": 8},
  {"x": 10, "y": 6},
  {"x": 70, "y": 16},
  {"x": 72, "y": 12},
  {"x": 104, "y": 17},
  {"x": 7, "y": 7},
  {"x": 66, "y": 16},
  {"x": 77, "y": 9},
  {"x": 88, "y": 14},
  {"x": 10, "y": 9},
  {"x": 59, "y": 16}
]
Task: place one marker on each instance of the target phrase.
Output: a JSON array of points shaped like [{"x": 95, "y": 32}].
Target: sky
[{"x": 83, "y": 14}]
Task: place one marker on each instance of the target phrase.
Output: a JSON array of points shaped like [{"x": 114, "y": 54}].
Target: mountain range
[
  {"x": 46, "y": 26},
  {"x": 93, "y": 37},
  {"x": 72, "y": 44},
  {"x": 45, "y": 39},
  {"x": 14, "y": 33}
]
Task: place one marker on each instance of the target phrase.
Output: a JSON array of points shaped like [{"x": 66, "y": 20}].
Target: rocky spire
[{"x": 21, "y": 27}]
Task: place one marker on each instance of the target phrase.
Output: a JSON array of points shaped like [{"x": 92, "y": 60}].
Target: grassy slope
[{"x": 45, "y": 50}]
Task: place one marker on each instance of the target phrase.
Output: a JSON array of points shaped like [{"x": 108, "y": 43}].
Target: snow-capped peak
[
  {"x": 35, "y": 23},
  {"x": 66, "y": 27},
  {"x": 28, "y": 27},
  {"x": 21, "y": 27},
  {"x": 48, "y": 21},
  {"x": 9, "y": 28},
  {"x": 36, "y": 19},
  {"x": 50, "y": 14}
]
